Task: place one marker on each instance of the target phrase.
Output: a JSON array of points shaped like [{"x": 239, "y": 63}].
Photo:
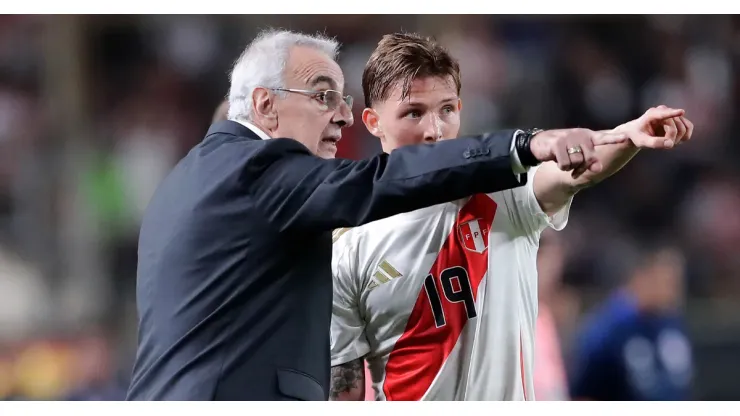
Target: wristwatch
[{"x": 522, "y": 145}]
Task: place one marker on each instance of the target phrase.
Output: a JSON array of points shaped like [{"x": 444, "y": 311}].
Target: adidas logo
[{"x": 383, "y": 274}]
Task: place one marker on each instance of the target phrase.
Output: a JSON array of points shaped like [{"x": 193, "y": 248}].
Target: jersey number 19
[{"x": 461, "y": 292}]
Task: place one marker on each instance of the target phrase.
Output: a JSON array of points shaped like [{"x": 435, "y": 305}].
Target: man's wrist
[{"x": 523, "y": 147}]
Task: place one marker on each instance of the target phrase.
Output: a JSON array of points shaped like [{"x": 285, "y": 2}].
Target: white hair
[{"x": 263, "y": 62}]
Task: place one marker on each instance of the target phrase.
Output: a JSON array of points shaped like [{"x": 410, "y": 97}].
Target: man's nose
[
  {"x": 432, "y": 129},
  {"x": 343, "y": 116}
]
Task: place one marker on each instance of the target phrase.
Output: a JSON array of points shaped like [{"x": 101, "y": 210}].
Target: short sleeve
[
  {"x": 348, "y": 340},
  {"x": 532, "y": 214}
]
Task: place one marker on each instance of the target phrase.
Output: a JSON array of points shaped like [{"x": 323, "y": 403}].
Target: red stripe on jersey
[
  {"x": 521, "y": 366},
  {"x": 422, "y": 349}
]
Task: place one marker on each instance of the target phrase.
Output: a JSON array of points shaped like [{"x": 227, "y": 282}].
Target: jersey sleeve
[
  {"x": 348, "y": 340},
  {"x": 531, "y": 216}
]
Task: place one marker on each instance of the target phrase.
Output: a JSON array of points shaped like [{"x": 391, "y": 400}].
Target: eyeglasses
[{"x": 329, "y": 98}]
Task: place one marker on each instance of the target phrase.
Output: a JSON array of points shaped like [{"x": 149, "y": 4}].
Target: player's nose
[{"x": 431, "y": 130}]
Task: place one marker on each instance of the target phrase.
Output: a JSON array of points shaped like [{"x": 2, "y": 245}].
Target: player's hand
[
  {"x": 573, "y": 149},
  {"x": 659, "y": 128}
]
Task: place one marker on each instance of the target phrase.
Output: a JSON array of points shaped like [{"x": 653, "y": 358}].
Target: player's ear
[
  {"x": 459, "y": 104},
  {"x": 372, "y": 122}
]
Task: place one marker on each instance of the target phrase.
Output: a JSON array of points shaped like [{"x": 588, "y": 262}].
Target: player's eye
[
  {"x": 413, "y": 114},
  {"x": 448, "y": 109}
]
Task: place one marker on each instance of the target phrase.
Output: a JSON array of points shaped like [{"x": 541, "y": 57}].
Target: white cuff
[{"x": 516, "y": 164}]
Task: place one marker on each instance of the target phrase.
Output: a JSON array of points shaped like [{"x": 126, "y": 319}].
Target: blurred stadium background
[{"x": 94, "y": 111}]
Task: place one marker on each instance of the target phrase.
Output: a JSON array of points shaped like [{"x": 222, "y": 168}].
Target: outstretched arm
[
  {"x": 297, "y": 190},
  {"x": 658, "y": 128}
]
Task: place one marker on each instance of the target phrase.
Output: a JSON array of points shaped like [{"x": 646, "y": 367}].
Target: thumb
[{"x": 651, "y": 142}]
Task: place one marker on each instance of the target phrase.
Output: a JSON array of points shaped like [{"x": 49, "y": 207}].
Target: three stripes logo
[{"x": 384, "y": 274}]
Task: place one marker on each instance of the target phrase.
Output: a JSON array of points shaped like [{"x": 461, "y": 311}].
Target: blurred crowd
[{"x": 95, "y": 110}]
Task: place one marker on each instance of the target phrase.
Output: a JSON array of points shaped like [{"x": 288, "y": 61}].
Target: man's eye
[
  {"x": 413, "y": 114},
  {"x": 448, "y": 109}
]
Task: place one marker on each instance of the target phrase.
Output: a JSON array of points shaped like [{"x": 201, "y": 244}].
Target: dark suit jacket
[{"x": 234, "y": 285}]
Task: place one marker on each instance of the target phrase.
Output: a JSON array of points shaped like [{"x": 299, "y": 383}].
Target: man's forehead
[
  {"x": 315, "y": 70},
  {"x": 322, "y": 79},
  {"x": 317, "y": 77},
  {"x": 425, "y": 88}
]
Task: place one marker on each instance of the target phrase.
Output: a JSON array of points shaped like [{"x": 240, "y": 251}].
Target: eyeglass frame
[{"x": 316, "y": 93}]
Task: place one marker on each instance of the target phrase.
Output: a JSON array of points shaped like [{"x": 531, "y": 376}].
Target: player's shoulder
[
  {"x": 347, "y": 236},
  {"x": 338, "y": 233},
  {"x": 345, "y": 242}
]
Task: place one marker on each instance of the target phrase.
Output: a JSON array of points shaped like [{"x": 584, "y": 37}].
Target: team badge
[{"x": 473, "y": 237}]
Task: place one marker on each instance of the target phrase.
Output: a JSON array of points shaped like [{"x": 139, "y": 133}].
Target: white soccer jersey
[{"x": 442, "y": 301}]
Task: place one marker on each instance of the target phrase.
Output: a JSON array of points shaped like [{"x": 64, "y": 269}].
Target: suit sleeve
[{"x": 297, "y": 190}]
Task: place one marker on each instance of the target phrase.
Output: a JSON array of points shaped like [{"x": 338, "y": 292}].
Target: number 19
[{"x": 465, "y": 294}]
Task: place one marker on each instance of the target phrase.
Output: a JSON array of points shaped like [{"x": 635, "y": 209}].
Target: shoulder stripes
[{"x": 338, "y": 233}]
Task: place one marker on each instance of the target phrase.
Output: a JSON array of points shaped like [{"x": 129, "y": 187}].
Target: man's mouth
[{"x": 331, "y": 140}]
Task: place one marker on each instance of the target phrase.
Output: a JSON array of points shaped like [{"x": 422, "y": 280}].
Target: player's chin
[{"x": 327, "y": 149}]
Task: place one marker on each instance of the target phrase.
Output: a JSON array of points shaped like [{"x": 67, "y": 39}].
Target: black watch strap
[{"x": 523, "y": 149}]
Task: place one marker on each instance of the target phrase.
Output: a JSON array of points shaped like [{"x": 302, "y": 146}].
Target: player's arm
[
  {"x": 658, "y": 128},
  {"x": 348, "y": 381},
  {"x": 348, "y": 341},
  {"x": 554, "y": 188}
]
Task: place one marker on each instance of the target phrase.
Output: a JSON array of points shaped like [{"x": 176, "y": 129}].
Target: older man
[{"x": 234, "y": 284}]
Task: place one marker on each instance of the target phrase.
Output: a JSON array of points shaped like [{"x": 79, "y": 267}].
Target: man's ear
[
  {"x": 372, "y": 123},
  {"x": 264, "y": 106}
]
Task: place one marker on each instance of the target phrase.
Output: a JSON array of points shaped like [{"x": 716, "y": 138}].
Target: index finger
[
  {"x": 657, "y": 114},
  {"x": 652, "y": 142},
  {"x": 602, "y": 138}
]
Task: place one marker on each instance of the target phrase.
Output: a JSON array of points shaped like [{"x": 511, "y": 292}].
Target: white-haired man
[{"x": 234, "y": 285}]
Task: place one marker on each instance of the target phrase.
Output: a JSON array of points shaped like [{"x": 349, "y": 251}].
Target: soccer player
[
  {"x": 442, "y": 301},
  {"x": 635, "y": 345}
]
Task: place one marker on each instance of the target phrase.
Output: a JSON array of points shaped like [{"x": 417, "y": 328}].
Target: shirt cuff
[{"x": 516, "y": 163}]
